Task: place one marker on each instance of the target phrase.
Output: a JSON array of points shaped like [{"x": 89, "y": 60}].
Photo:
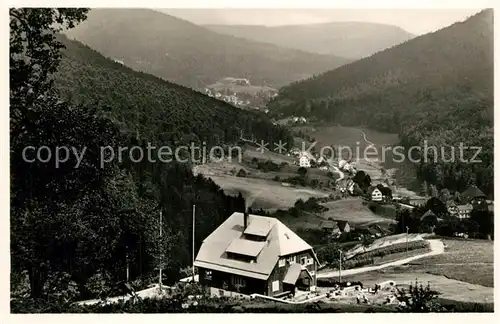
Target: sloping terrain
[{"x": 149, "y": 107}]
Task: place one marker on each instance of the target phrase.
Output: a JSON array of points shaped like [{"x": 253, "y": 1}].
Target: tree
[
  {"x": 424, "y": 189},
  {"x": 367, "y": 240},
  {"x": 436, "y": 206},
  {"x": 433, "y": 191},
  {"x": 34, "y": 55},
  {"x": 362, "y": 179},
  {"x": 405, "y": 218},
  {"x": 485, "y": 221},
  {"x": 330, "y": 254},
  {"x": 314, "y": 183},
  {"x": 418, "y": 299},
  {"x": 83, "y": 207},
  {"x": 444, "y": 195}
]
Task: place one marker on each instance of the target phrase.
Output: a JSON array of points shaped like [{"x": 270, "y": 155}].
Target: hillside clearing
[
  {"x": 353, "y": 211},
  {"x": 264, "y": 193}
]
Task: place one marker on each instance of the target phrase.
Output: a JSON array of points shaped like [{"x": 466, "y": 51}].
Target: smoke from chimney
[{"x": 248, "y": 202}]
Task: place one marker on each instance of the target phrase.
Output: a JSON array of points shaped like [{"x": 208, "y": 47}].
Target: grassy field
[
  {"x": 265, "y": 189},
  {"x": 464, "y": 272},
  {"x": 264, "y": 194},
  {"x": 348, "y": 137},
  {"x": 448, "y": 288},
  {"x": 354, "y": 211},
  {"x": 465, "y": 260},
  {"x": 251, "y": 153}
]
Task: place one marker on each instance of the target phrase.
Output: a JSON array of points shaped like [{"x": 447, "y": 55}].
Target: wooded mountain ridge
[
  {"x": 437, "y": 87},
  {"x": 191, "y": 55},
  {"x": 148, "y": 107},
  {"x": 353, "y": 40}
]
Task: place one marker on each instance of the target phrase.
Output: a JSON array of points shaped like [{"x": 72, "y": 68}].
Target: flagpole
[
  {"x": 161, "y": 252},
  {"x": 194, "y": 213}
]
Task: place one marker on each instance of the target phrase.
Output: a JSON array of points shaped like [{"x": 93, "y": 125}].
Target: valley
[{"x": 284, "y": 178}]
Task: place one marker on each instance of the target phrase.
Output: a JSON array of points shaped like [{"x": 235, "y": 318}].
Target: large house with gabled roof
[
  {"x": 256, "y": 254},
  {"x": 473, "y": 195}
]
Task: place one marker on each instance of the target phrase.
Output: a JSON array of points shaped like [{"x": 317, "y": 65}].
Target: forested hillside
[
  {"x": 353, "y": 40},
  {"x": 437, "y": 87},
  {"x": 148, "y": 107},
  {"x": 184, "y": 53},
  {"x": 78, "y": 230}
]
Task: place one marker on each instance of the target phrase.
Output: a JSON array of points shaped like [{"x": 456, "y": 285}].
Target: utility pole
[
  {"x": 407, "y": 239},
  {"x": 126, "y": 259},
  {"x": 161, "y": 251},
  {"x": 340, "y": 266},
  {"x": 194, "y": 213}
]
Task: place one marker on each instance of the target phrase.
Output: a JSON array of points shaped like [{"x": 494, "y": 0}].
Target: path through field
[
  {"x": 436, "y": 246},
  {"x": 364, "y": 137}
]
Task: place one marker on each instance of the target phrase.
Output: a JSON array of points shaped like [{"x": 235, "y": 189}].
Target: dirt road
[{"x": 437, "y": 247}]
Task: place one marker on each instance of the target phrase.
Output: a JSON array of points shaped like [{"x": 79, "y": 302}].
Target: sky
[{"x": 415, "y": 21}]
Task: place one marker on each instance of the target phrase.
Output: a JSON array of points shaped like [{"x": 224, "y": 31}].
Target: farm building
[
  {"x": 418, "y": 201},
  {"x": 452, "y": 208},
  {"x": 344, "y": 226},
  {"x": 304, "y": 162},
  {"x": 335, "y": 228},
  {"x": 376, "y": 194},
  {"x": 473, "y": 195},
  {"x": 330, "y": 227},
  {"x": 464, "y": 210},
  {"x": 256, "y": 254}
]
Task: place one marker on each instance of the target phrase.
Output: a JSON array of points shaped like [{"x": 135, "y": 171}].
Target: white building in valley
[{"x": 304, "y": 161}]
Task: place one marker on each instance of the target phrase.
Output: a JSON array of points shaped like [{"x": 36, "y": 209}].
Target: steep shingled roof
[
  {"x": 473, "y": 192},
  {"x": 280, "y": 241}
]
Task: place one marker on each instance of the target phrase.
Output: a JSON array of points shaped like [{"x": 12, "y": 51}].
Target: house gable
[{"x": 232, "y": 249}]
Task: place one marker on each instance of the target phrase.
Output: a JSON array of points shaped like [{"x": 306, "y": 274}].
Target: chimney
[{"x": 245, "y": 219}]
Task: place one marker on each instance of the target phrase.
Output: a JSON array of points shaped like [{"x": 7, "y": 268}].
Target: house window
[
  {"x": 310, "y": 261},
  {"x": 303, "y": 260},
  {"x": 237, "y": 281},
  {"x": 291, "y": 259},
  {"x": 282, "y": 263},
  {"x": 208, "y": 275},
  {"x": 276, "y": 285}
]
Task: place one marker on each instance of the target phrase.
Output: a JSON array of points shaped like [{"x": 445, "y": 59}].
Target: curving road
[
  {"x": 437, "y": 247},
  {"x": 364, "y": 137},
  {"x": 333, "y": 168}
]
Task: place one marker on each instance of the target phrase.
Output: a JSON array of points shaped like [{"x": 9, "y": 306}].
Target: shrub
[
  {"x": 418, "y": 299},
  {"x": 268, "y": 166},
  {"x": 241, "y": 173}
]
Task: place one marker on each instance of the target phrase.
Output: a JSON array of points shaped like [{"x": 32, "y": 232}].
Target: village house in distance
[{"x": 251, "y": 254}]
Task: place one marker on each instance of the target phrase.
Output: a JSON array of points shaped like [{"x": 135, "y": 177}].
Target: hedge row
[
  {"x": 395, "y": 248},
  {"x": 331, "y": 282}
]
